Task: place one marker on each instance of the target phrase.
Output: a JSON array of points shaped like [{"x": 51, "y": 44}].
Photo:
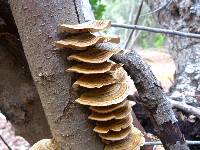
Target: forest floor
[{"x": 161, "y": 64}]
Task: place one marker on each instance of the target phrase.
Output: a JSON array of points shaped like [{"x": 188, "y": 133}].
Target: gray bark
[
  {"x": 37, "y": 23},
  {"x": 182, "y": 15}
]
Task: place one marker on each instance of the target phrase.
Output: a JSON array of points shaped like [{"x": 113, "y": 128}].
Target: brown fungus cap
[
  {"x": 132, "y": 142},
  {"x": 82, "y": 41},
  {"x": 108, "y": 109},
  {"x": 105, "y": 96},
  {"x": 117, "y": 114},
  {"x": 117, "y": 135},
  {"x": 86, "y": 68},
  {"x": 91, "y": 26},
  {"x": 95, "y": 80},
  {"x": 100, "y": 80},
  {"x": 114, "y": 125},
  {"x": 92, "y": 56}
]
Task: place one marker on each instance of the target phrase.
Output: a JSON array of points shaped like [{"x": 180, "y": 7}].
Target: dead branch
[
  {"x": 153, "y": 100},
  {"x": 157, "y": 30}
]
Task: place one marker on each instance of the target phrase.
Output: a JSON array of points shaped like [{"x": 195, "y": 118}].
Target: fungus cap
[
  {"x": 95, "y": 80},
  {"x": 91, "y": 26},
  {"x": 108, "y": 109},
  {"x": 82, "y": 41},
  {"x": 116, "y": 136},
  {"x": 117, "y": 114},
  {"x": 100, "y": 80},
  {"x": 132, "y": 142},
  {"x": 86, "y": 68},
  {"x": 92, "y": 56},
  {"x": 105, "y": 96},
  {"x": 114, "y": 125}
]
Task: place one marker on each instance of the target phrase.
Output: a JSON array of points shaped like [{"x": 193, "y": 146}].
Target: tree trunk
[
  {"x": 19, "y": 99},
  {"x": 37, "y": 23},
  {"x": 182, "y": 15}
]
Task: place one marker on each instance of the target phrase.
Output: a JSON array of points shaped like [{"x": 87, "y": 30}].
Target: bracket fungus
[
  {"x": 132, "y": 142},
  {"x": 86, "y": 68},
  {"x": 83, "y": 41},
  {"x": 91, "y": 26},
  {"x": 116, "y": 114},
  {"x": 116, "y": 135},
  {"x": 106, "y": 84},
  {"x": 105, "y": 96},
  {"x": 92, "y": 55},
  {"x": 101, "y": 79},
  {"x": 107, "y": 109},
  {"x": 114, "y": 124}
]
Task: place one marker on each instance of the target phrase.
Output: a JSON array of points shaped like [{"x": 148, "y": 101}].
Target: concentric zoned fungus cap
[
  {"x": 117, "y": 114},
  {"x": 120, "y": 74},
  {"x": 95, "y": 81},
  {"x": 116, "y": 136},
  {"x": 92, "y": 56},
  {"x": 108, "y": 109},
  {"x": 82, "y": 41},
  {"x": 105, "y": 96},
  {"x": 46, "y": 144},
  {"x": 86, "y": 68},
  {"x": 100, "y": 80},
  {"x": 91, "y": 26},
  {"x": 114, "y": 125},
  {"x": 132, "y": 142}
]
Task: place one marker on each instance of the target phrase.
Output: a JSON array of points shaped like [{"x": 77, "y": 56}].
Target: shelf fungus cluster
[{"x": 106, "y": 84}]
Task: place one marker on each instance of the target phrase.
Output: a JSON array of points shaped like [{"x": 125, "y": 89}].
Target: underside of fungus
[{"x": 106, "y": 84}]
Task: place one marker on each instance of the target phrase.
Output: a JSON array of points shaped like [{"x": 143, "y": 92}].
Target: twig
[
  {"x": 5, "y": 143},
  {"x": 135, "y": 23},
  {"x": 185, "y": 107},
  {"x": 157, "y": 30},
  {"x": 160, "y": 143}
]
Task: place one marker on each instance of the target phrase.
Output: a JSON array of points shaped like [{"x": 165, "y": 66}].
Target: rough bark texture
[
  {"x": 154, "y": 101},
  {"x": 19, "y": 100},
  {"x": 182, "y": 15},
  {"x": 37, "y": 23}
]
